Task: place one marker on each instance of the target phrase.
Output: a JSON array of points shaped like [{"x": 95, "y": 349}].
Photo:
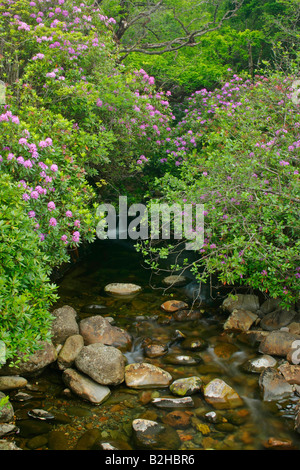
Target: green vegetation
[{"x": 165, "y": 100}]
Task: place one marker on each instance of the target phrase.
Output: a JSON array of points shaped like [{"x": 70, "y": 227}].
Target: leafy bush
[
  {"x": 236, "y": 150},
  {"x": 25, "y": 291}
]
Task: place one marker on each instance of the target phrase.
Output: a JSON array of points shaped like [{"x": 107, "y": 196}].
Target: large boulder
[
  {"x": 241, "y": 301},
  {"x": 97, "y": 329},
  {"x": 240, "y": 320},
  {"x": 277, "y": 319},
  {"x": 104, "y": 364},
  {"x": 64, "y": 324},
  {"x": 84, "y": 387},
  {"x": 144, "y": 375},
  {"x": 278, "y": 343},
  {"x": 34, "y": 364}
]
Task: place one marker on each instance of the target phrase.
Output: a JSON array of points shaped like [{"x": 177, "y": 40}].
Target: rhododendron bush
[{"x": 236, "y": 150}]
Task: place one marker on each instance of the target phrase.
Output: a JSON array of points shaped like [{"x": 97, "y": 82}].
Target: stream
[{"x": 81, "y": 425}]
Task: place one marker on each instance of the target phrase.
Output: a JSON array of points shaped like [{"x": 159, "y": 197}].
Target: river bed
[{"x": 81, "y": 425}]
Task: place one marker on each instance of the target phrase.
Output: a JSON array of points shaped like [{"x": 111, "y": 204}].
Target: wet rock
[
  {"x": 278, "y": 444},
  {"x": 6, "y": 445},
  {"x": 175, "y": 281},
  {"x": 37, "y": 442},
  {"x": 32, "y": 427},
  {"x": 273, "y": 385},
  {"x": 297, "y": 419},
  {"x": 256, "y": 336},
  {"x": 178, "y": 419},
  {"x": 240, "y": 320},
  {"x": 35, "y": 364},
  {"x": 212, "y": 417},
  {"x": 180, "y": 359},
  {"x": 194, "y": 344},
  {"x": 186, "y": 386},
  {"x": 278, "y": 343},
  {"x": 84, "y": 387},
  {"x": 152, "y": 435},
  {"x": 6, "y": 429},
  {"x": 241, "y": 301},
  {"x": 187, "y": 315},
  {"x": 220, "y": 395},
  {"x": 57, "y": 440},
  {"x": 64, "y": 324},
  {"x": 12, "y": 382},
  {"x": 93, "y": 309},
  {"x": 155, "y": 349},
  {"x": 277, "y": 319},
  {"x": 173, "y": 305},
  {"x": 98, "y": 329},
  {"x": 123, "y": 290},
  {"x": 40, "y": 414},
  {"x": 185, "y": 402},
  {"x": 294, "y": 328},
  {"x": 258, "y": 364},
  {"x": 22, "y": 396},
  {"x": 290, "y": 372},
  {"x": 104, "y": 364},
  {"x": 6, "y": 411},
  {"x": 88, "y": 439},
  {"x": 144, "y": 375},
  {"x": 70, "y": 351},
  {"x": 225, "y": 350}
]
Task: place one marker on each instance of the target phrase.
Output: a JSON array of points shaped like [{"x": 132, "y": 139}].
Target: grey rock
[
  {"x": 240, "y": 320},
  {"x": 104, "y": 364},
  {"x": 144, "y": 375},
  {"x": 6, "y": 445},
  {"x": 273, "y": 385},
  {"x": 185, "y": 402},
  {"x": 84, "y": 387},
  {"x": 241, "y": 301},
  {"x": 7, "y": 429},
  {"x": 64, "y": 324},
  {"x": 12, "y": 382},
  {"x": 258, "y": 364},
  {"x": 70, "y": 351},
  {"x": 98, "y": 329},
  {"x": 277, "y": 319},
  {"x": 278, "y": 343},
  {"x": 6, "y": 411}
]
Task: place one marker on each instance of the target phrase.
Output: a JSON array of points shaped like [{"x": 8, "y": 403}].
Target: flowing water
[{"x": 81, "y": 425}]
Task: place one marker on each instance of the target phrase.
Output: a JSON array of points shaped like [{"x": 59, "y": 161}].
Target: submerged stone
[
  {"x": 149, "y": 435},
  {"x": 186, "y": 386},
  {"x": 186, "y": 402},
  {"x": 118, "y": 289},
  {"x": 220, "y": 395},
  {"x": 144, "y": 375}
]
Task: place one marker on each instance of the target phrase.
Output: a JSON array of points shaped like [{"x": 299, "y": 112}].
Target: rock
[
  {"x": 6, "y": 445},
  {"x": 57, "y": 440},
  {"x": 178, "y": 419},
  {"x": 123, "y": 290},
  {"x": 84, "y": 387},
  {"x": 155, "y": 350},
  {"x": 186, "y": 386},
  {"x": 225, "y": 350},
  {"x": 7, "y": 429},
  {"x": 22, "y": 396},
  {"x": 41, "y": 414},
  {"x": 194, "y": 344},
  {"x": 185, "y": 402},
  {"x": 88, "y": 439},
  {"x": 240, "y": 320},
  {"x": 241, "y": 301},
  {"x": 149, "y": 434},
  {"x": 12, "y": 382},
  {"x": 175, "y": 281},
  {"x": 290, "y": 372},
  {"x": 268, "y": 306},
  {"x": 64, "y": 324},
  {"x": 104, "y": 364},
  {"x": 278, "y": 444},
  {"x": 37, "y": 442},
  {"x": 297, "y": 419},
  {"x": 33, "y": 427},
  {"x": 6, "y": 411},
  {"x": 180, "y": 359},
  {"x": 294, "y": 328},
  {"x": 144, "y": 375},
  {"x": 259, "y": 364},
  {"x": 35, "y": 364},
  {"x": 273, "y": 385},
  {"x": 220, "y": 395},
  {"x": 256, "y": 336},
  {"x": 173, "y": 305},
  {"x": 278, "y": 343},
  {"x": 277, "y": 319},
  {"x": 98, "y": 329},
  {"x": 70, "y": 351},
  {"x": 187, "y": 315}
]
